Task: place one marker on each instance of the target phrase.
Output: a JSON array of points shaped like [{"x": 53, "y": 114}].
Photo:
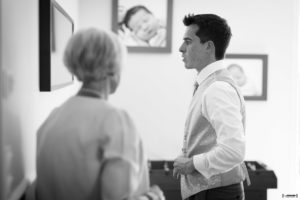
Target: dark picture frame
[
  {"x": 251, "y": 73},
  {"x": 161, "y": 42},
  {"x": 55, "y": 28}
]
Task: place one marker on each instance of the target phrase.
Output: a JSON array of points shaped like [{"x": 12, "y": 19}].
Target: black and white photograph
[
  {"x": 250, "y": 74},
  {"x": 149, "y": 99},
  {"x": 143, "y": 25}
]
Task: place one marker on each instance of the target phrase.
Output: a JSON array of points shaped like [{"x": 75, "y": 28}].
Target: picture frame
[
  {"x": 250, "y": 71},
  {"x": 55, "y": 28},
  {"x": 143, "y": 30}
]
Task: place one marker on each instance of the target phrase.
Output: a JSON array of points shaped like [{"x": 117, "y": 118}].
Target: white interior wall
[{"x": 156, "y": 89}]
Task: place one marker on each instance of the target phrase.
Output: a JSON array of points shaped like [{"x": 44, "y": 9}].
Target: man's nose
[{"x": 181, "y": 48}]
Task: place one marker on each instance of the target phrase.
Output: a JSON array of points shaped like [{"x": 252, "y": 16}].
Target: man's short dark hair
[
  {"x": 211, "y": 28},
  {"x": 132, "y": 11}
]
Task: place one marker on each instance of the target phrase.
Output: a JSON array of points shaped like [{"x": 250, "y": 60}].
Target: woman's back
[{"x": 73, "y": 142}]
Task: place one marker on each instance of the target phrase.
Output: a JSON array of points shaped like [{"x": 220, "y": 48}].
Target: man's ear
[{"x": 210, "y": 45}]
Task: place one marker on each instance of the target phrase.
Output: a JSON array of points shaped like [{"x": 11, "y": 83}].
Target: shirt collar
[{"x": 209, "y": 69}]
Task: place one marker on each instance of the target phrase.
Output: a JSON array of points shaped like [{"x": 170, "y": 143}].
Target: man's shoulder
[{"x": 219, "y": 86}]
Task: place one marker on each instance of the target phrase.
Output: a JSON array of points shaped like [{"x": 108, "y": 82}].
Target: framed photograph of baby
[
  {"x": 250, "y": 72},
  {"x": 143, "y": 25}
]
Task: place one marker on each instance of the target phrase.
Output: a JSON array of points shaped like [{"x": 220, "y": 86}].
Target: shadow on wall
[{"x": 13, "y": 163}]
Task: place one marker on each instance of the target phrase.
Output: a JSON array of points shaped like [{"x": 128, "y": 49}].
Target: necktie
[{"x": 196, "y": 85}]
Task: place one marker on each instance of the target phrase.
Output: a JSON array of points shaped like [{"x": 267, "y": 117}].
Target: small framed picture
[
  {"x": 250, "y": 72},
  {"x": 55, "y": 28},
  {"x": 143, "y": 25}
]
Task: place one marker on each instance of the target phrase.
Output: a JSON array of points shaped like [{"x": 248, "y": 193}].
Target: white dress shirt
[{"x": 221, "y": 107}]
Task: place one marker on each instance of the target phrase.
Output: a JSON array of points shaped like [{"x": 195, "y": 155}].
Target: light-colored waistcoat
[{"x": 200, "y": 137}]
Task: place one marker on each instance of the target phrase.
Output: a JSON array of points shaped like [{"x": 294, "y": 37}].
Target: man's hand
[
  {"x": 183, "y": 166},
  {"x": 157, "y": 193}
]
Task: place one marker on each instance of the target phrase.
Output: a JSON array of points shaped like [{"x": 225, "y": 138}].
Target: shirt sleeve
[{"x": 222, "y": 108}]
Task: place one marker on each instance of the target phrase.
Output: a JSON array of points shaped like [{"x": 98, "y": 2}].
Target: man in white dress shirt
[{"x": 211, "y": 165}]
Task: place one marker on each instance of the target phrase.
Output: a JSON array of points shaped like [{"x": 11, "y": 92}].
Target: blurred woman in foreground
[{"x": 87, "y": 148}]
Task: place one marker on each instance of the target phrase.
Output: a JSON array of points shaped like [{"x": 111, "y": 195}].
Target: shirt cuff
[{"x": 201, "y": 165}]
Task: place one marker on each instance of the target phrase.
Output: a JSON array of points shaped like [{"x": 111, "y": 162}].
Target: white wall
[
  {"x": 24, "y": 107},
  {"x": 156, "y": 89}
]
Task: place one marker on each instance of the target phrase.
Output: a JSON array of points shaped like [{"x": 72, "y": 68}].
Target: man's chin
[{"x": 187, "y": 66}]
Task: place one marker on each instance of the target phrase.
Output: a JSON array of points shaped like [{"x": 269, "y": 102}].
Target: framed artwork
[
  {"x": 143, "y": 25},
  {"x": 250, "y": 72},
  {"x": 56, "y": 27}
]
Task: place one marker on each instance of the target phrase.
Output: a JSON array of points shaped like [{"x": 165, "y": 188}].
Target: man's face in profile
[{"x": 143, "y": 24}]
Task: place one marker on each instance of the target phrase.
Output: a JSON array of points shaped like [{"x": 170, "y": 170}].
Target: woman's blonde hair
[{"x": 93, "y": 54}]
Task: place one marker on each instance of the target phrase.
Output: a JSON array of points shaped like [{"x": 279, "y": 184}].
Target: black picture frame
[
  {"x": 255, "y": 67},
  {"x": 55, "y": 28},
  {"x": 167, "y": 5}
]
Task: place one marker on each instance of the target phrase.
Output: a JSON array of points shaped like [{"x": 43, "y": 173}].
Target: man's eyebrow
[{"x": 187, "y": 39}]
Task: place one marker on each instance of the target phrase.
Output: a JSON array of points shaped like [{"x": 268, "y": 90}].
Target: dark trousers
[{"x": 230, "y": 192}]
